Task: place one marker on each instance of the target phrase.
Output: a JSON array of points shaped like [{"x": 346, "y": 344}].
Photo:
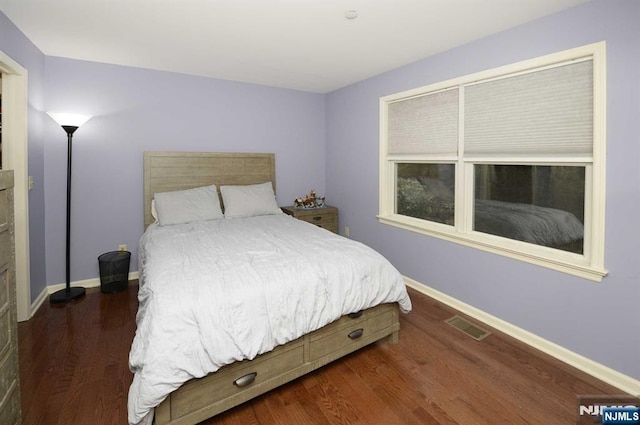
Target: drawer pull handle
[
  {"x": 317, "y": 218},
  {"x": 355, "y": 315},
  {"x": 245, "y": 380},
  {"x": 356, "y": 334}
]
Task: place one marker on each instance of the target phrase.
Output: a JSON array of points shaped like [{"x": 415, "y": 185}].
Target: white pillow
[
  {"x": 154, "y": 213},
  {"x": 186, "y": 206},
  {"x": 249, "y": 201}
]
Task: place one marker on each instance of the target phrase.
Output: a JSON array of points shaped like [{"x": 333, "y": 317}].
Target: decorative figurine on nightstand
[{"x": 310, "y": 201}]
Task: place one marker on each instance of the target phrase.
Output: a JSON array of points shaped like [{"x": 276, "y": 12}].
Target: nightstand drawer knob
[
  {"x": 317, "y": 218},
  {"x": 356, "y": 334},
  {"x": 355, "y": 315}
]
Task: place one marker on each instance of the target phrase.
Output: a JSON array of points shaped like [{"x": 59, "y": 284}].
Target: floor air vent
[{"x": 466, "y": 327}]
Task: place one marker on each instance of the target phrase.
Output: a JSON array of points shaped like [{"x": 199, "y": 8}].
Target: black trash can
[{"x": 114, "y": 271}]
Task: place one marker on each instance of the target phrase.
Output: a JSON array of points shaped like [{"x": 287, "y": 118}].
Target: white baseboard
[
  {"x": 35, "y": 305},
  {"x": 50, "y": 289},
  {"x": 595, "y": 369}
]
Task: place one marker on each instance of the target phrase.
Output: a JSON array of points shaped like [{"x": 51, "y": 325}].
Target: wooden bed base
[{"x": 234, "y": 384}]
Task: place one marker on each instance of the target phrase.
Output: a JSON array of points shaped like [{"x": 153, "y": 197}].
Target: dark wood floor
[{"x": 73, "y": 370}]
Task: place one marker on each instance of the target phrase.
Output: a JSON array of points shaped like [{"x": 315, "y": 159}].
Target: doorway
[{"x": 14, "y": 157}]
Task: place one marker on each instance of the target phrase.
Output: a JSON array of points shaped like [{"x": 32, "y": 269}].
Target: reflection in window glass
[
  {"x": 543, "y": 205},
  {"x": 426, "y": 191}
]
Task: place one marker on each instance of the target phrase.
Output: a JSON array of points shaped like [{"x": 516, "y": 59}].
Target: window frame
[{"x": 590, "y": 264}]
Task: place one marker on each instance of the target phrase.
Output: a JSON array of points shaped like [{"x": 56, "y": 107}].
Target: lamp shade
[{"x": 72, "y": 120}]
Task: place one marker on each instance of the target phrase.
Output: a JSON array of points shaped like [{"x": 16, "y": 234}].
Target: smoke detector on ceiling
[{"x": 351, "y": 14}]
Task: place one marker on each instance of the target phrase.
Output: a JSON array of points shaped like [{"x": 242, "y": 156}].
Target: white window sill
[{"x": 565, "y": 262}]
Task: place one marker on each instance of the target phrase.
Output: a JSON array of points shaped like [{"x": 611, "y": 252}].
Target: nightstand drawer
[
  {"x": 319, "y": 218},
  {"x": 326, "y": 221},
  {"x": 327, "y": 217},
  {"x": 331, "y": 226}
]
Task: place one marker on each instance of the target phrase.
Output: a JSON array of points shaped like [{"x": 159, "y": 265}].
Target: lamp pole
[{"x": 68, "y": 293}]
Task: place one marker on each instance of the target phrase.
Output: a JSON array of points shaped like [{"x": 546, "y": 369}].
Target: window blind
[
  {"x": 548, "y": 112},
  {"x": 424, "y": 125}
]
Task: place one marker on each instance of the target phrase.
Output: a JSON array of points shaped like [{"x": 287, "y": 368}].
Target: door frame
[{"x": 15, "y": 157}]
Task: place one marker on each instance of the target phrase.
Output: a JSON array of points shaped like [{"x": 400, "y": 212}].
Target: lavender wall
[
  {"x": 14, "y": 44},
  {"x": 136, "y": 110},
  {"x": 599, "y": 321}
]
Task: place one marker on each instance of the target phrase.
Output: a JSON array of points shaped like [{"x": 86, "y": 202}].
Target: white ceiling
[{"x": 299, "y": 44}]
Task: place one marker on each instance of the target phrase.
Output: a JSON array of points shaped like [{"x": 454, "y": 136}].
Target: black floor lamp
[{"x": 70, "y": 123}]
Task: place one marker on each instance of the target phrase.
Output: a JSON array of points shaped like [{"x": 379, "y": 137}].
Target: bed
[{"x": 233, "y": 307}]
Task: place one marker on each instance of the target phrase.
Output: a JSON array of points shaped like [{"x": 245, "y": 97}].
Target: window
[{"x": 510, "y": 160}]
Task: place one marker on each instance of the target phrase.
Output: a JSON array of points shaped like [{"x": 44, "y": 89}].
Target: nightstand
[{"x": 326, "y": 217}]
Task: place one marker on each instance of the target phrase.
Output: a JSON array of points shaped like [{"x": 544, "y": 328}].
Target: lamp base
[{"x": 66, "y": 295}]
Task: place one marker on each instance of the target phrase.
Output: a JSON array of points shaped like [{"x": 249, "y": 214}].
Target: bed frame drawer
[
  {"x": 235, "y": 379},
  {"x": 352, "y": 332},
  {"x": 203, "y": 398}
]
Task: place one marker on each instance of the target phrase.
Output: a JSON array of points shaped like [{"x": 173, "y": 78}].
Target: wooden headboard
[{"x": 168, "y": 171}]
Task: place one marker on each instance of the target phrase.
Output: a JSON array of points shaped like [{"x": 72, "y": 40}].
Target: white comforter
[{"x": 224, "y": 290}]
